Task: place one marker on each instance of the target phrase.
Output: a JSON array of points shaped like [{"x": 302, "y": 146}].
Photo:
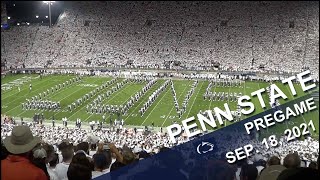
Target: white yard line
[
  {"x": 25, "y": 110},
  {"x": 138, "y": 105},
  {"x": 80, "y": 108},
  {"x": 54, "y": 94},
  {"x": 24, "y": 95},
  {"x": 124, "y": 101},
  {"x": 155, "y": 106},
  {"x": 174, "y": 106},
  {"x": 225, "y": 124},
  {"x": 20, "y": 89},
  {"x": 123, "y": 88},
  {"x": 214, "y": 90},
  {"x": 195, "y": 99}
]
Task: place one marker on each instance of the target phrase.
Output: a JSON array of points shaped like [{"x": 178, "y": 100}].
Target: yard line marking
[
  {"x": 93, "y": 99},
  {"x": 27, "y": 87},
  {"x": 122, "y": 102},
  {"x": 2, "y": 94},
  {"x": 24, "y": 97},
  {"x": 225, "y": 124},
  {"x": 173, "y": 106},
  {"x": 55, "y": 94},
  {"x": 79, "y": 109},
  {"x": 195, "y": 99},
  {"x": 214, "y": 90},
  {"x": 156, "y": 105},
  {"x": 140, "y": 103}
]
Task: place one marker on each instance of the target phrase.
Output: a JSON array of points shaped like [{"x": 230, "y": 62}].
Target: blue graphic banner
[{"x": 202, "y": 158}]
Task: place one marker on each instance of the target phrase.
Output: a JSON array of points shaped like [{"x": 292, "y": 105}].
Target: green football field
[{"x": 162, "y": 112}]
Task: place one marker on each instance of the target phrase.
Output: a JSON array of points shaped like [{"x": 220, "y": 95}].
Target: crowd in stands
[
  {"x": 257, "y": 36},
  {"x": 40, "y": 152}
]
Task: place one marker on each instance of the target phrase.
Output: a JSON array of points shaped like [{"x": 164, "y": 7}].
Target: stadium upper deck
[{"x": 277, "y": 36}]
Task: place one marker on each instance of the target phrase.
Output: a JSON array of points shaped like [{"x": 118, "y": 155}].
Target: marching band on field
[
  {"x": 222, "y": 96},
  {"x": 39, "y": 102}
]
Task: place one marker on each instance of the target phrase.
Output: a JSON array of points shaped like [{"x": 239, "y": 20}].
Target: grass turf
[{"x": 162, "y": 112}]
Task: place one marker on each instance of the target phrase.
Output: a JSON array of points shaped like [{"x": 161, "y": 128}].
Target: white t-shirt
[
  {"x": 61, "y": 170},
  {"x": 53, "y": 175},
  {"x": 99, "y": 173}
]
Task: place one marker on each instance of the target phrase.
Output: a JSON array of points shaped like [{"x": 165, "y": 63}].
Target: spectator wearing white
[{"x": 62, "y": 168}]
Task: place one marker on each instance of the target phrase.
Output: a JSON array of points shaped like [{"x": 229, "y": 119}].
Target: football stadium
[{"x": 104, "y": 80}]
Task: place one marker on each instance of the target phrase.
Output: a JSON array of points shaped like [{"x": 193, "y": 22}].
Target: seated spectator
[
  {"x": 79, "y": 168},
  {"x": 17, "y": 165}
]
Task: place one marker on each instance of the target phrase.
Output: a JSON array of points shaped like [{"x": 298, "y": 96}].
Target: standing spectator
[
  {"x": 39, "y": 158},
  {"x": 53, "y": 163},
  {"x": 17, "y": 165},
  {"x": 248, "y": 172},
  {"x": 80, "y": 168},
  {"x": 313, "y": 165},
  {"x": 101, "y": 165},
  {"x": 50, "y": 156},
  {"x": 273, "y": 169},
  {"x": 292, "y": 161},
  {"x": 62, "y": 168}
]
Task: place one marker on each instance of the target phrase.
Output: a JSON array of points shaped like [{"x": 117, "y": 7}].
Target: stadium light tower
[{"x": 49, "y": 4}]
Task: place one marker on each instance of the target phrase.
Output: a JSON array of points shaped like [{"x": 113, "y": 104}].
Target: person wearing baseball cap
[{"x": 17, "y": 165}]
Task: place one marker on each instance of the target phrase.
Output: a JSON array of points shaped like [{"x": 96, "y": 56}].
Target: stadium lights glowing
[
  {"x": 18, "y": 24},
  {"x": 47, "y": 2},
  {"x": 28, "y": 23},
  {"x": 37, "y": 16},
  {"x": 9, "y": 17}
]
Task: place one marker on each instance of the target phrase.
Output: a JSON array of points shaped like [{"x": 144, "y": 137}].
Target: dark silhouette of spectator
[
  {"x": 248, "y": 172},
  {"x": 4, "y": 152},
  {"x": 83, "y": 146},
  {"x": 274, "y": 160},
  {"x": 54, "y": 161},
  {"x": 299, "y": 174},
  {"x": 292, "y": 161},
  {"x": 101, "y": 165},
  {"x": 80, "y": 168},
  {"x": 313, "y": 165},
  {"x": 271, "y": 172}
]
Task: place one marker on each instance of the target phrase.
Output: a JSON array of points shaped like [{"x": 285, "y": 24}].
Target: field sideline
[{"x": 162, "y": 112}]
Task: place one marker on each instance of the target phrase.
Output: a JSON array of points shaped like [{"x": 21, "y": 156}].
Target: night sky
[{"x": 26, "y": 11}]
